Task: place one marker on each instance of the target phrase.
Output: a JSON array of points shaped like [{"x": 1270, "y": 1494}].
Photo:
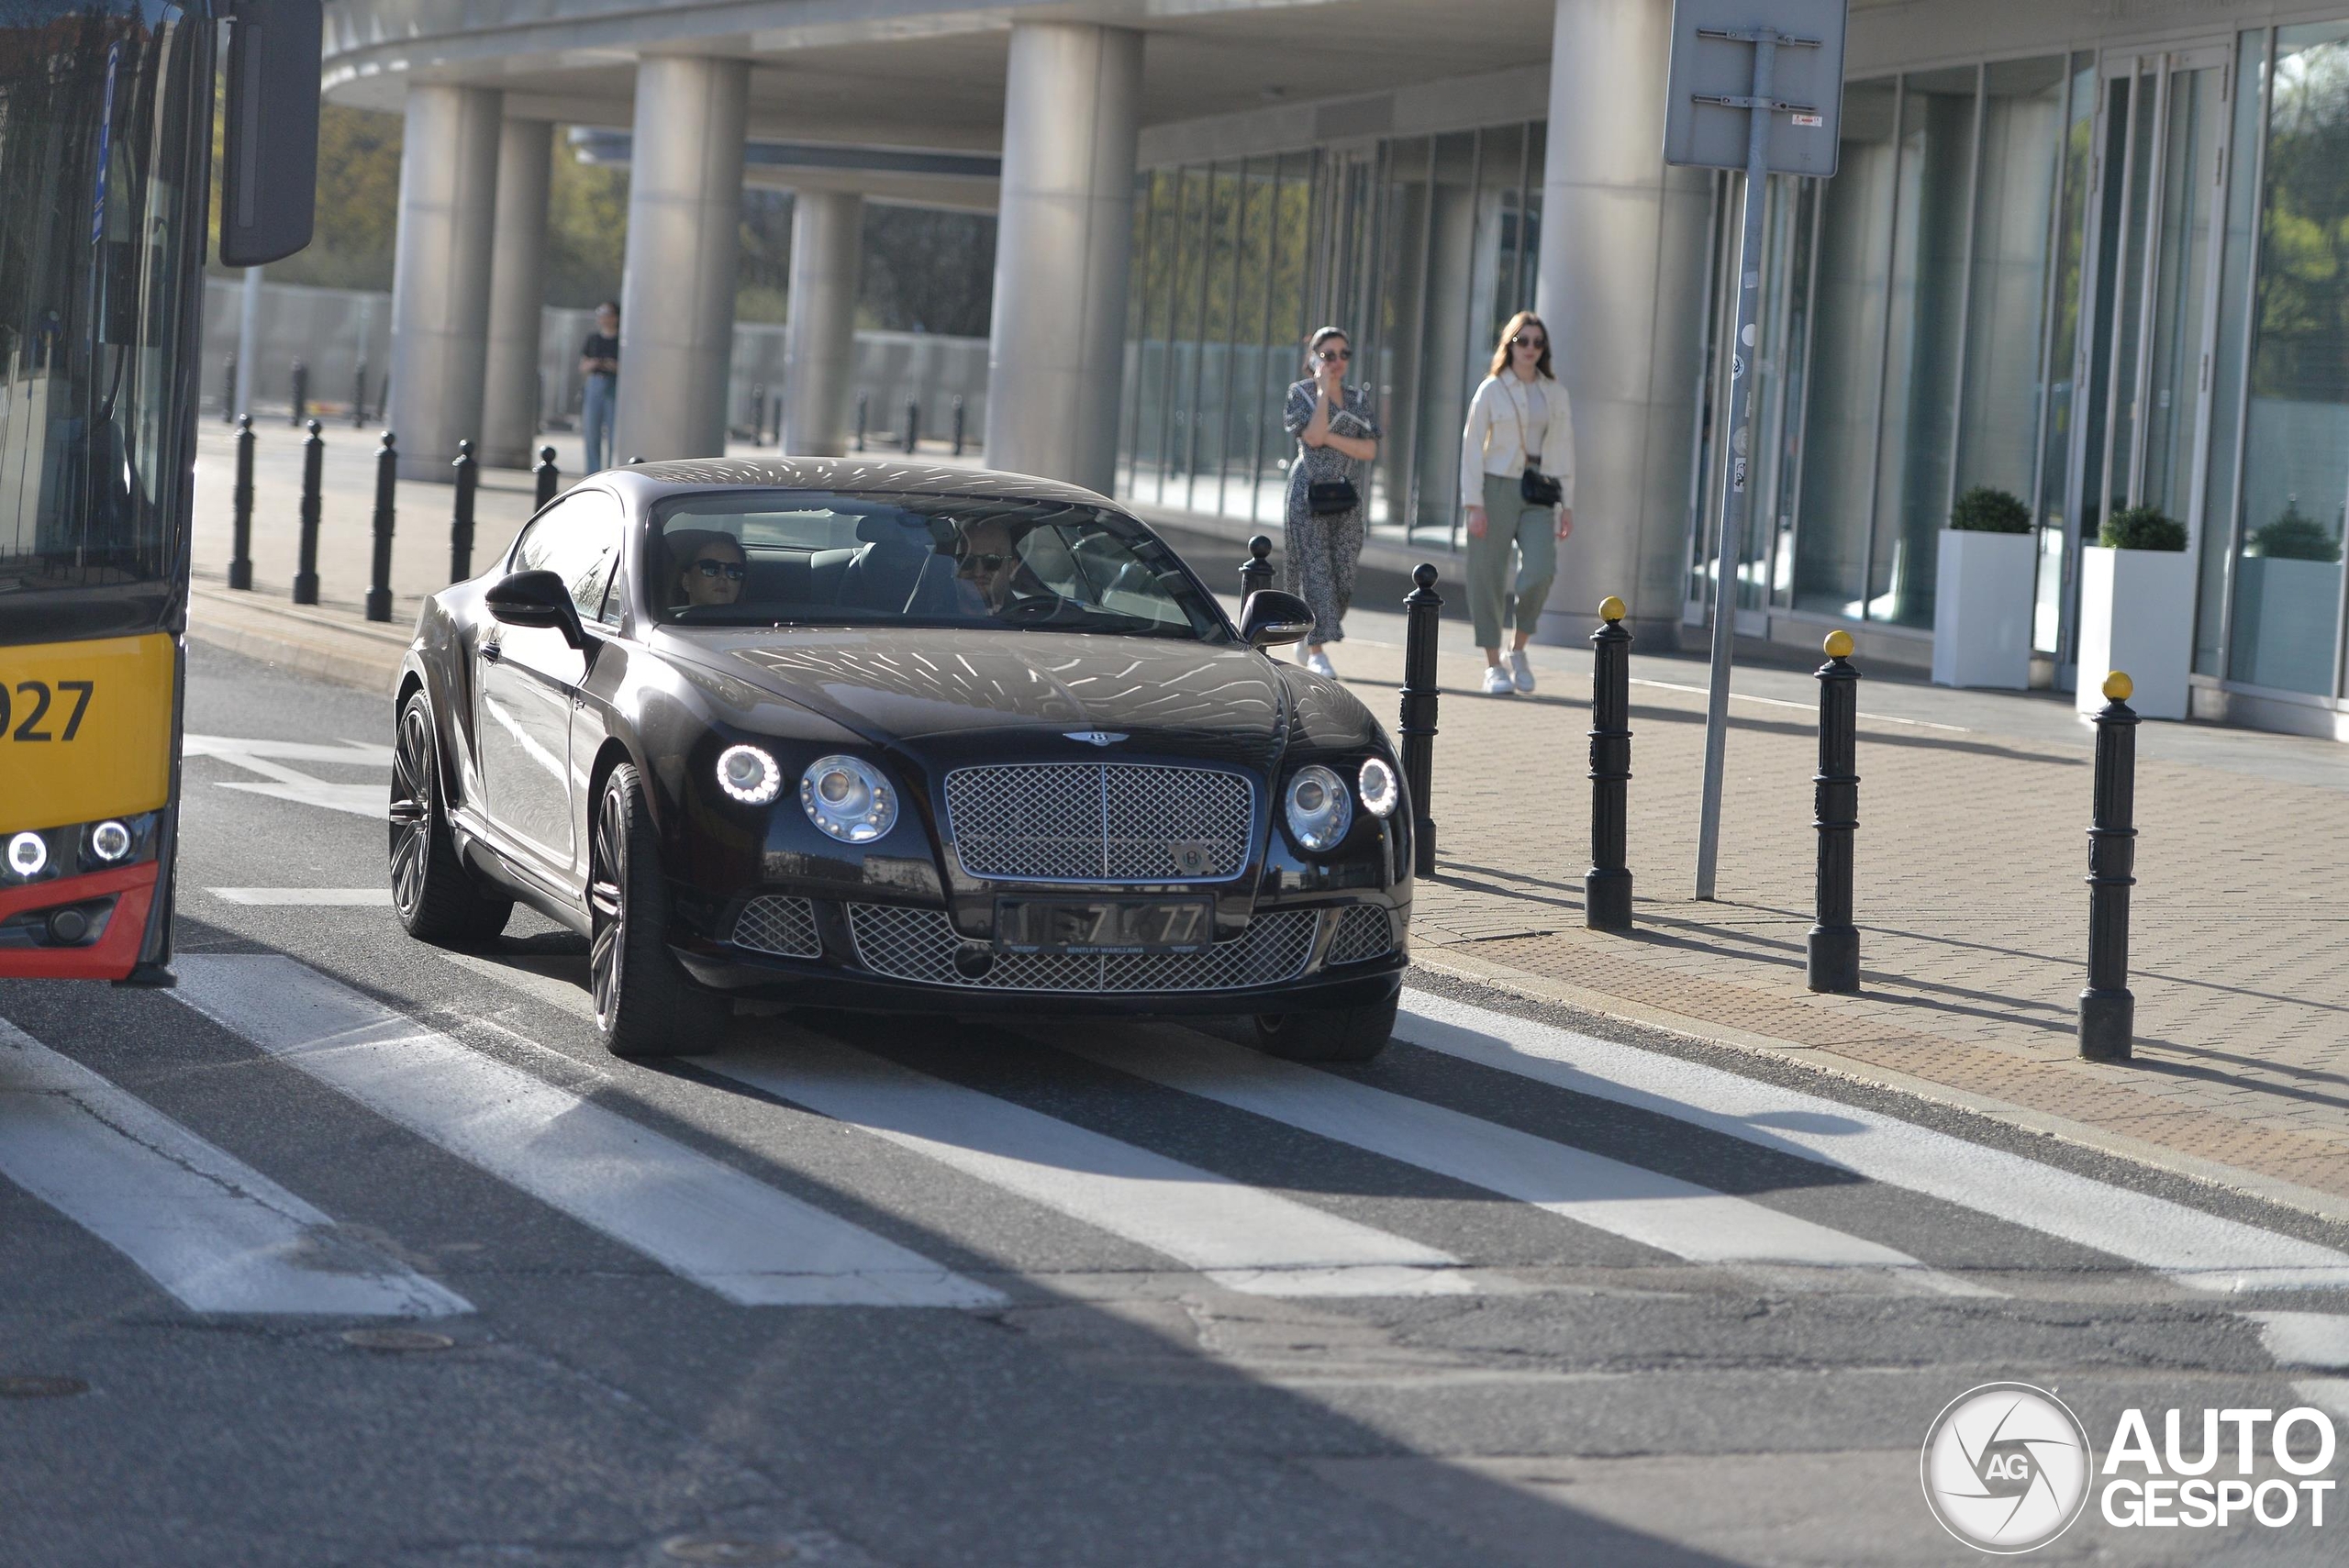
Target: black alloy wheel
[
  {"x": 645, "y": 1004},
  {"x": 1348, "y": 1034},
  {"x": 436, "y": 897}
]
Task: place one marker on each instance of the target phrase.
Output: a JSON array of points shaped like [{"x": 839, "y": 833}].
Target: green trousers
[{"x": 1531, "y": 534}]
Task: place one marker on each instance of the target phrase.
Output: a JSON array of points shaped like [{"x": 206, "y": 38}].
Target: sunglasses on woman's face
[
  {"x": 1522, "y": 342},
  {"x": 732, "y": 571},
  {"x": 1334, "y": 355},
  {"x": 989, "y": 561}
]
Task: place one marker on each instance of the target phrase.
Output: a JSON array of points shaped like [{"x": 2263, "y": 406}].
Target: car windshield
[{"x": 803, "y": 558}]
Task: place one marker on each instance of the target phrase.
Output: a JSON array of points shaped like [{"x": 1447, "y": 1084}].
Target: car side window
[{"x": 578, "y": 539}]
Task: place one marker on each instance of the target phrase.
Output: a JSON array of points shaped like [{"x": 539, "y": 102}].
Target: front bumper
[{"x": 898, "y": 957}]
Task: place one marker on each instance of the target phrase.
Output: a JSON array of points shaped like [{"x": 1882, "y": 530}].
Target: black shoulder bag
[
  {"x": 1326, "y": 498},
  {"x": 1534, "y": 487}
]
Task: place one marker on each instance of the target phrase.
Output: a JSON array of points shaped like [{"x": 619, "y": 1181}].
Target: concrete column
[
  {"x": 685, "y": 208},
  {"x": 820, "y": 343},
  {"x": 517, "y": 286},
  {"x": 1071, "y": 100},
  {"x": 440, "y": 273},
  {"x": 1621, "y": 290}
]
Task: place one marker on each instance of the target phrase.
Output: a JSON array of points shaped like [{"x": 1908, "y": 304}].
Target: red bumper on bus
[{"x": 29, "y": 950}]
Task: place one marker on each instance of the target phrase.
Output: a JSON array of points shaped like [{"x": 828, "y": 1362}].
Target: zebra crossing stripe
[
  {"x": 214, "y": 1232},
  {"x": 1656, "y": 1210},
  {"x": 2199, "y": 1250},
  {"x": 1241, "y": 1237},
  {"x": 702, "y": 1219}
]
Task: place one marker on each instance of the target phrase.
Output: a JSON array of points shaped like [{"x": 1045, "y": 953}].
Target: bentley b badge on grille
[{"x": 1094, "y": 737}]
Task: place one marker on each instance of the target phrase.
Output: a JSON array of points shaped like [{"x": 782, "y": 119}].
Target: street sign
[
  {"x": 1712, "y": 76},
  {"x": 1756, "y": 85}
]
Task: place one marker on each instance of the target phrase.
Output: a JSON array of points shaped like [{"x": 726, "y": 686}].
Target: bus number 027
[{"x": 40, "y": 697}]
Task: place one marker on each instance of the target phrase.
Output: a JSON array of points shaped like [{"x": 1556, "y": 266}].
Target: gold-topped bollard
[
  {"x": 2108, "y": 1008},
  {"x": 1832, "y": 957},
  {"x": 1607, "y": 885}
]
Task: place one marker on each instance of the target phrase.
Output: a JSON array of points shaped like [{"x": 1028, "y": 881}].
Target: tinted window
[
  {"x": 578, "y": 539},
  {"x": 832, "y": 559}
]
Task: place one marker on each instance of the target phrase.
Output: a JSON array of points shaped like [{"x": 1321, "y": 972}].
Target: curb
[
  {"x": 2331, "y": 1207},
  {"x": 295, "y": 637}
]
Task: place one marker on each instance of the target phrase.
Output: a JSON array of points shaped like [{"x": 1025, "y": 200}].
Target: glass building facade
[{"x": 2093, "y": 279}]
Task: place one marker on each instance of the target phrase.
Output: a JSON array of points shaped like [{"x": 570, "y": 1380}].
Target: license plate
[{"x": 1104, "y": 926}]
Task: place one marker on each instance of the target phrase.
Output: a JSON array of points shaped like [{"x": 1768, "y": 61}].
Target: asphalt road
[{"x": 351, "y": 1251}]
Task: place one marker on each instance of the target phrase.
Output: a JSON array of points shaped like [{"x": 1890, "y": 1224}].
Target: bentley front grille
[
  {"x": 1364, "y": 932},
  {"x": 1121, "y": 822},
  {"x": 781, "y": 926},
  {"x": 922, "y": 945}
]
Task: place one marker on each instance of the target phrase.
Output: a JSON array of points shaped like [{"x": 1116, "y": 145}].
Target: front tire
[
  {"x": 1348, "y": 1034},
  {"x": 645, "y": 1004},
  {"x": 438, "y": 899}
]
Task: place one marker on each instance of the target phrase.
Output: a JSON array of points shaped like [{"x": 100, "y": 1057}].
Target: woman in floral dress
[{"x": 1337, "y": 441}]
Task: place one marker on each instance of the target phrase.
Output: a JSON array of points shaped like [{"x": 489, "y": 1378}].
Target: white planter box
[
  {"x": 2136, "y": 615},
  {"x": 1982, "y": 596},
  {"x": 2283, "y": 614}
]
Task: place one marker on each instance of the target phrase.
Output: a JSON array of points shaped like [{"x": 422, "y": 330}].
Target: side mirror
[
  {"x": 1274, "y": 619},
  {"x": 269, "y": 166},
  {"x": 537, "y": 600}
]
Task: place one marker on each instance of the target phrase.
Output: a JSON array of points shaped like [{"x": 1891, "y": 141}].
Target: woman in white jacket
[{"x": 1520, "y": 424}]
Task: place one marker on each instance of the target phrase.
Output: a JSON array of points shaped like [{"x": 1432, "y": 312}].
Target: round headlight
[
  {"x": 110, "y": 841},
  {"x": 28, "y": 852},
  {"x": 848, "y": 799},
  {"x": 748, "y": 775},
  {"x": 1319, "y": 809},
  {"x": 1379, "y": 789}
]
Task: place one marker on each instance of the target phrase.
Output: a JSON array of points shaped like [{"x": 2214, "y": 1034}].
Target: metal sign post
[{"x": 1790, "y": 111}]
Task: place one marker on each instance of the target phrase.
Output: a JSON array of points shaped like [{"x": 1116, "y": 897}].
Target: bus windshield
[{"x": 105, "y": 131}]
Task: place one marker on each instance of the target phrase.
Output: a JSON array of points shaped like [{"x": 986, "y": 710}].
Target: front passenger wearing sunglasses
[{"x": 712, "y": 574}]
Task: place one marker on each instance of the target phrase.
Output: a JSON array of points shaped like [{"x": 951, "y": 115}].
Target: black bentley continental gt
[{"x": 876, "y": 735}]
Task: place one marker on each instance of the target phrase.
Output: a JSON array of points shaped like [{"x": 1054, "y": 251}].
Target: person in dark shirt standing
[{"x": 599, "y": 364}]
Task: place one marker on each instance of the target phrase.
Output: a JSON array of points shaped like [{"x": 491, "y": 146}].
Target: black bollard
[
  {"x": 314, "y": 456},
  {"x": 240, "y": 559},
  {"x": 461, "y": 522},
  {"x": 2107, "y": 1010},
  {"x": 758, "y": 410},
  {"x": 913, "y": 423},
  {"x": 227, "y": 389},
  {"x": 1607, "y": 885},
  {"x": 359, "y": 397},
  {"x": 550, "y": 476},
  {"x": 862, "y": 403},
  {"x": 1421, "y": 607},
  {"x": 379, "y": 582},
  {"x": 1833, "y": 960},
  {"x": 958, "y": 423},
  {"x": 301, "y": 394},
  {"x": 1256, "y": 571}
]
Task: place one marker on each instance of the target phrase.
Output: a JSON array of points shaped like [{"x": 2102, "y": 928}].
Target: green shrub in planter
[
  {"x": 1988, "y": 511},
  {"x": 2141, "y": 527},
  {"x": 2294, "y": 537}
]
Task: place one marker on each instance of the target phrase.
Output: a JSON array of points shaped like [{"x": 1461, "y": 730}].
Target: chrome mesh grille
[
  {"x": 920, "y": 945},
  {"x": 785, "y": 927},
  {"x": 1364, "y": 932},
  {"x": 1100, "y": 822}
]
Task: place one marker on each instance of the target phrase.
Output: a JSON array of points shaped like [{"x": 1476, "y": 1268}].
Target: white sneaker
[
  {"x": 1521, "y": 671},
  {"x": 1319, "y": 662},
  {"x": 1497, "y": 683}
]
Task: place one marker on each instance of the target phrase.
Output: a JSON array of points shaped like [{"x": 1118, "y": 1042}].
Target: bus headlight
[
  {"x": 1319, "y": 809},
  {"x": 110, "y": 841},
  {"x": 848, "y": 799},
  {"x": 27, "y": 854}
]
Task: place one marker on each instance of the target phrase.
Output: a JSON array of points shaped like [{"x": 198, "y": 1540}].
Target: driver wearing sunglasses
[{"x": 713, "y": 573}]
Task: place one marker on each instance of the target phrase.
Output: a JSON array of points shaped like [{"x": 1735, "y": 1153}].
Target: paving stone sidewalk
[
  {"x": 1970, "y": 857},
  {"x": 1972, "y": 909}
]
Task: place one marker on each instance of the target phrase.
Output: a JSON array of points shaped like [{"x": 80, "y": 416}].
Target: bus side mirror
[
  {"x": 537, "y": 600},
  {"x": 269, "y": 171}
]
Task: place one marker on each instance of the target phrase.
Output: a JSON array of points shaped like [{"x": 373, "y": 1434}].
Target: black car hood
[{"x": 982, "y": 690}]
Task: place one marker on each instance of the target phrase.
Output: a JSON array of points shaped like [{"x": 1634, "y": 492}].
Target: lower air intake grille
[
  {"x": 1363, "y": 933},
  {"x": 785, "y": 927},
  {"x": 921, "y": 945}
]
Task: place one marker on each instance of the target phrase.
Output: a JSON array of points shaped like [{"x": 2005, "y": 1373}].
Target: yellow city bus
[{"x": 106, "y": 154}]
